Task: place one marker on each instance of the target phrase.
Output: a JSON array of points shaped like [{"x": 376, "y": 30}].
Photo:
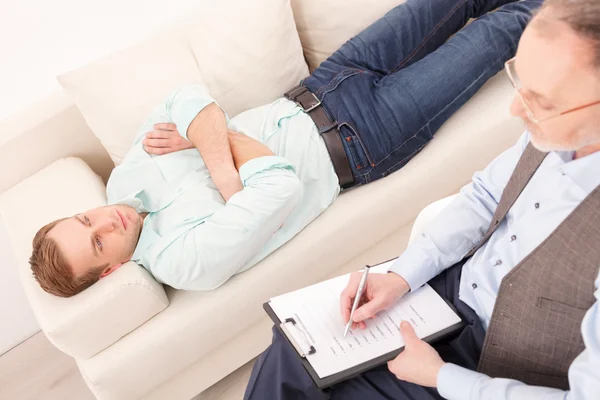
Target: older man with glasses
[
  {"x": 532, "y": 100},
  {"x": 517, "y": 251}
]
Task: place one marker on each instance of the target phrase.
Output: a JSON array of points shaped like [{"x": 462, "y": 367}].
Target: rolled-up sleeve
[
  {"x": 179, "y": 108},
  {"x": 186, "y": 103},
  {"x": 216, "y": 249}
]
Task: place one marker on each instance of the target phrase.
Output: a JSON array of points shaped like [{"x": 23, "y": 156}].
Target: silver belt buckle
[{"x": 317, "y": 104}]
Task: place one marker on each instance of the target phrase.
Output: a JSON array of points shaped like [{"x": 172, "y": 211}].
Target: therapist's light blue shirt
[
  {"x": 556, "y": 189},
  {"x": 191, "y": 238}
]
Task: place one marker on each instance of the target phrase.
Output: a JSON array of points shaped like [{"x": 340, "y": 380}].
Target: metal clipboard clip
[{"x": 287, "y": 327}]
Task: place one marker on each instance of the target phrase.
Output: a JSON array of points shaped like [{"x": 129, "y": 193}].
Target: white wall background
[
  {"x": 40, "y": 39},
  {"x": 16, "y": 318}
]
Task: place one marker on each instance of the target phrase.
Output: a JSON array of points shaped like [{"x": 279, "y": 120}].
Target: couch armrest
[
  {"x": 85, "y": 324},
  {"x": 93, "y": 320},
  {"x": 427, "y": 214}
]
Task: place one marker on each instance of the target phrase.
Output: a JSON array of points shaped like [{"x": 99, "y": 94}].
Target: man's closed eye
[{"x": 98, "y": 243}]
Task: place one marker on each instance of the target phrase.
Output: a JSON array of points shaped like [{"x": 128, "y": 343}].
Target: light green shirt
[{"x": 191, "y": 238}]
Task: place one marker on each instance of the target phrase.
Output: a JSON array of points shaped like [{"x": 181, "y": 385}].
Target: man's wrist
[
  {"x": 400, "y": 283},
  {"x": 438, "y": 368},
  {"x": 228, "y": 182}
]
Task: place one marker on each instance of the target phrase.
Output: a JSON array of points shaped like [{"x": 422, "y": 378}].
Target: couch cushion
[
  {"x": 324, "y": 26},
  {"x": 82, "y": 325},
  {"x": 246, "y": 58},
  {"x": 196, "y": 323}
]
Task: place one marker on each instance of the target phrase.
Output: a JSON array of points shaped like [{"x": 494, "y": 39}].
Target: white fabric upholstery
[
  {"x": 324, "y": 26},
  {"x": 85, "y": 324},
  {"x": 247, "y": 53},
  {"x": 428, "y": 214},
  {"x": 201, "y": 337}
]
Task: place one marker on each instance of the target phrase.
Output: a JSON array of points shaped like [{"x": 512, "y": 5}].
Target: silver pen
[{"x": 359, "y": 293}]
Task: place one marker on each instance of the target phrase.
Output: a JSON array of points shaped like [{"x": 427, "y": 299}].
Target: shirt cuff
[
  {"x": 415, "y": 266},
  {"x": 457, "y": 383},
  {"x": 186, "y": 112},
  {"x": 261, "y": 164}
]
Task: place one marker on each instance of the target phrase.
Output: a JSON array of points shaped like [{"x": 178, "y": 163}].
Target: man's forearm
[
  {"x": 208, "y": 133},
  {"x": 245, "y": 148}
]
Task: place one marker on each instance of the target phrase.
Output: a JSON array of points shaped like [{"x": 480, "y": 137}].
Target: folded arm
[
  {"x": 461, "y": 225},
  {"x": 208, "y": 133},
  {"x": 203, "y": 125},
  {"x": 217, "y": 249}
]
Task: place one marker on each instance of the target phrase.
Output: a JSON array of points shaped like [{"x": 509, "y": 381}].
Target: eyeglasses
[{"x": 530, "y": 102}]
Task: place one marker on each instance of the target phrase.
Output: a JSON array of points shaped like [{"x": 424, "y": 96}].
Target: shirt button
[
  {"x": 513, "y": 238},
  {"x": 498, "y": 262},
  {"x": 474, "y": 286},
  {"x": 537, "y": 205}
]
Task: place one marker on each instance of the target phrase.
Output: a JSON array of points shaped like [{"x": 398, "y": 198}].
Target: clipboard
[{"x": 302, "y": 350}]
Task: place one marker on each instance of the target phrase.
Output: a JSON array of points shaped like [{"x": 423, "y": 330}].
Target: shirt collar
[
  {"x": 584, "y": 171},
  {"x": 147, "y": 238}
]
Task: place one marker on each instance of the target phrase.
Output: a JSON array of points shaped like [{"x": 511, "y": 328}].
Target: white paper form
[{"x": 316, "y": 310}]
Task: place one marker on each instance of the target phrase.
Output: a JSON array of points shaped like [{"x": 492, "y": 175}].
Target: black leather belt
[{"x": 328, "y": 131}]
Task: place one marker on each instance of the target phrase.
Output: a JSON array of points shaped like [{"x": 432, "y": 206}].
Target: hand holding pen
[{"x": 379, "y": 292}]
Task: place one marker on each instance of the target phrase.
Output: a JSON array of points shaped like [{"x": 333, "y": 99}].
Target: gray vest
[{"x": 535, "y": 330}]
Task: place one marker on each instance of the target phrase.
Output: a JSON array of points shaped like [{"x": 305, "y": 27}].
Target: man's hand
[
  {"x": 381, "y": 292},
  {"x": 165, "y": 139},
  {"x": 244, "y": 148},
  {"x": 419, "y": 363}
]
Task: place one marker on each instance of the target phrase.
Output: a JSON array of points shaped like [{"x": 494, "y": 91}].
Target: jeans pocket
[{"x": 359, "y": 162}]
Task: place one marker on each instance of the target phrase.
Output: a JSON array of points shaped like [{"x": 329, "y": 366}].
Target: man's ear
[{"x": 110, "y": 270}]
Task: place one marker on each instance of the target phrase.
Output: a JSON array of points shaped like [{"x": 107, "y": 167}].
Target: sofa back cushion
[
  {"x": 325, "y": 25},
  {"x": 246, "y": 52}
]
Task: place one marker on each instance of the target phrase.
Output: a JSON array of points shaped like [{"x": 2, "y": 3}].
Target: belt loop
[
  {"x": 327, "y": 128},
  {"x": 294, "y": 92}
]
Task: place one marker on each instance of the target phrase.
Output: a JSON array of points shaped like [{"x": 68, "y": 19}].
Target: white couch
[{"x": 134, "y": 339}]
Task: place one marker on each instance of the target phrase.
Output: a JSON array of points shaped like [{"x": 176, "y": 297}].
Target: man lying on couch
[
  {"x": 517, "y": 251},
  {"x": 196, "y": 216}
]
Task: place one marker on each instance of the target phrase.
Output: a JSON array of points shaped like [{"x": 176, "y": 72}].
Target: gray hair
[{"x": 583, "y": 16}]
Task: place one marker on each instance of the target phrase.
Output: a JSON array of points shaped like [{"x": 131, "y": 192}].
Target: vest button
[
  {"x": 474, "y": 286},
  {"x": 537, "y": 205},
  {"x": 513, "y": 238}
]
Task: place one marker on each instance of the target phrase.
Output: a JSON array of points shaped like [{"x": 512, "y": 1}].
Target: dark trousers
[
  {"x": 279, "y": 375},
  {"x": 391, "y": 87}
]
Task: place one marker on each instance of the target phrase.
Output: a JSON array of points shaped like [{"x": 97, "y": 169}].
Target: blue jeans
[{"x": 390, "y": 88}]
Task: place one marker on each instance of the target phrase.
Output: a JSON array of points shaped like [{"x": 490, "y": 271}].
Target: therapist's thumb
[
  {"x": 408, "y": 333},
  {"x": 368, "y": 310}
]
